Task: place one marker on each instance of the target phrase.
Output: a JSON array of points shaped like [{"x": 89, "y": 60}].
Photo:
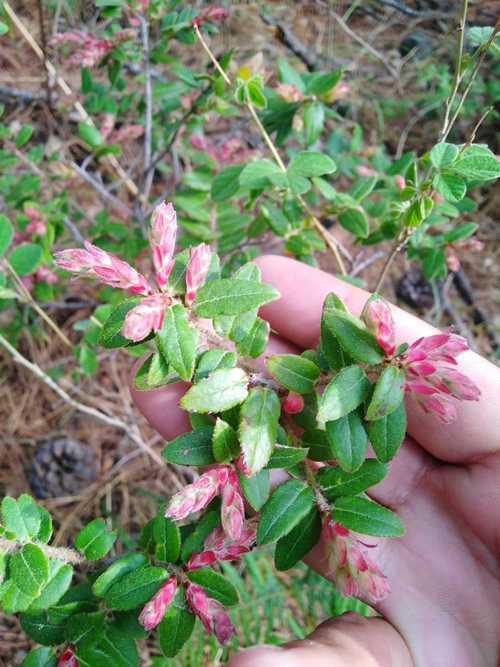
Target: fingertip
[
  {"x": 260, "y": 656},
  {"x": 161, "y": 409}
]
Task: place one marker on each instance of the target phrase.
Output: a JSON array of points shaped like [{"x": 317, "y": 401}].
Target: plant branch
[
  {"x": 148, "y": 93},
  {"x": 332, "y": 243},
  {"x": 396, "y": 249},
  {"x": 61, "y": 553}
]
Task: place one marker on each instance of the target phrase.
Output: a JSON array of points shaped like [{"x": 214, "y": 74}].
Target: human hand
[{"x": 444, "y": 608}]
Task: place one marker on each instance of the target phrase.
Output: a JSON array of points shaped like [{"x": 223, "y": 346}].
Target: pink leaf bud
[
  {"x": 107, "y": 125},
  {"x": 232, "y": 509},
  {"x": 289, "y": 92},
  {"x": 452, "y": 261},
  {"x": 201, "y": 559},
  {"x": 163, "y": 234},
  {"x": 212, "y": 14},
  {"x": 145, "y": 318},
  {"x": 197, "y": 270},
  {"x": 154, "y": 611},
  {"x": 378, "y": 319},
  {"x": 211, "y": 613},
  {"x": 364, "y": 170},
  {"x": 195, "y": 497},
  {"x": 400, "y": 182},
  {"x": 45, "y": 275},
  {"x": 68, "y": 659},
  {"x": 293, "y": 403}
]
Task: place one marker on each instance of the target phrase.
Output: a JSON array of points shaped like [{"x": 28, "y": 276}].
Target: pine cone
[{"x": 62, "y": 467}]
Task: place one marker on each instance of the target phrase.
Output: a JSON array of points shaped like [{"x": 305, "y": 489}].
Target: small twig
[
  {"x": 399, "y": 244},
  {"x": 81, "y": 407},
  {"x": 100, "y": 189},
  {"x": 331, "y": 242},
  {"x": 27, "y": 297},
  {"x": 61, "y": 553},
  {"x": 23, "y": 95},
  {"x": 148, "y": 93},
  {"x": 476, "y": 127},
  {"x": 43, "y": 41},
  {"x": 358, "y": 268}
]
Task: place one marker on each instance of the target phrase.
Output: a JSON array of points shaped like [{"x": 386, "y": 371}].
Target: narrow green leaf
[
  {"x": 194, "y": 448},
  {"x": 298, "y": 543},
  {"x": 29, "y": 569},
  {"x": 177, "y": 341},
  {"x": 255, "y": 342},
  {"x": 221, "y": 390},
  {"x": 225, "y": 443},
  {"x": 353, "y": 337},
  {"x": 349, "y": 440},
  {"x": 388, "y": 393},
  {"x": 55, "y": 587},
  {"x": 167, "y": 539},
  {"x": 153, "y": 373},
  {"x": 176, "y": 627},
  {"x": 118, "y": 569},
  {"x": 215, "y": 585},
  {"x": 256, "y": 488},
  {"x": 135, "y": 588},
  {"x": 387, "y": 434},
  {"x": 355, "y": 221},
  {"x": 95, "y": 540},
  {"x": 258, "y": 428},
  {"x": 212, "y": 360},
  {"x": 367, "y": 517},
  {"x": 348, "y": 389},
  {"x": 289, "y": 503},
  {"x": 295, "y": 373},
  {"x": 232, "y": 297},
  {"x": 90, "y": 135},
  {"x": 286, "y": 457},
  {"x": 336, "y": 482}
]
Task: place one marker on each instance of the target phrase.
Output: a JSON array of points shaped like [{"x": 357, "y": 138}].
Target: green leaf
[
  {"x": 256, "y": 488},
  {"x": 55, "y": 587},
  {"x": 114, "y": 648},
  {"x": 26, "y": 258},
  {"x": 258, "y": 428},
  {"x": 225, "y": 443},
  {"x": 443, "y": 154},
  {"x": 387, "y": 434},
  {"x": 221, "y": 390},
  {"x": 13, "y": 600},
  {"x": 177, "y": 341},
  {"x": 110, "y": 336},
  {"x": 40, "y": 657},
  {"x": 388, "y": 393},
  {"x": 348, "y": 389},
  {"x": 193, "y": 543},
  {"x": 366, "y": 517},
  {"x": 256, "y": 174},
  {"x": 21, "y": 517},
  {"x": 298, "y": 543},
  {"x": 473, "y": 165},
  {"x": 226, "y": 183},
  {"x": 211, "y": 360},
  {"x": 194, "y": 448},
  {"x": 289, "y": 503},
  {"x": 90, "y": 135},
  {"x": 330, "y": 350},
  {"x": 167, "y": 539},
  {"x": 355, "y": 221},
  {"x": 45, "y": 531},
  {"x": 24, "y": 135},
  {"x": 29, "y": 569},
  {"x": 314, "y": 118},
  {"x": 118, "y": 569},
  {"x": 286, "y": 457},
  {"x": 175, "y": 628},
  {"x": 336, "y": 482},
  {"x": 354, "y": 339},
  {"x": 135, "y": 588},
  {"x": 255, "y": 342},
  {"x": 320, "y": 84},
  {"x": 230, "y": 296},
  {"x": 289, "y": 74},
  {"x": 95, "y": 540},
  {"x": 295, "y": 373},
  {"x": 348, "y": 440},
  {"x": 42, "y": 628},
  {"x": 85, "y": 627},
  {"x": 215, "y": 585},
  {"x": 153, "y": 373},
  {"x": 460, "y": 233},
  {"x": 311, "y": 163},
  {"x": 319, "y": 445},
  {"x": 4, "y": 29},
  {"x": 6, "y": 234},
  {"x": 452, "y": 187}
]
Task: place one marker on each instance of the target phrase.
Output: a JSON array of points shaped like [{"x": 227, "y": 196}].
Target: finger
[
  {"x": 161, "y": 406},
  {"x": 349, "y": 640},
  {"x": 297, "y": 314}
]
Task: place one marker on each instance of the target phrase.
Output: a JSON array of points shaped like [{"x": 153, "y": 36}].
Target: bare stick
[
  {"x": 81, "y": 407},
  {"x": 148, "y": 91},
  {"x": 331, "y": 242},
  {"x": 100, "y": 189}
]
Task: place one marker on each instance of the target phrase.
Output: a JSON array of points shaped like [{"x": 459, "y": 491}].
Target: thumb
[{"x": 347, "y": 641}]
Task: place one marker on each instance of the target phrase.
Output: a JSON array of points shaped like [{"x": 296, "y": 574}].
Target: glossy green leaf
[
  {"x": 29, "y": 569},
  {"x": 353, "y": 337},
  {"x": 289, "y": 503},
  {"x": 176, "y": 627},
  {"x": 21, "y": 517},
  {"x": 387, "y": 434},
  {"x": 258, "y": 428},
  {"x": 318, "y": 445},
  {"x": 216, "y": 585},
  {"x": 286, "y": 457},
  {"x": 90, "y": 135},
  {"x": 58, "y": 582},
  {"x": 85, "y": 627},
  {"x": 293, "y": 547},
  {"x": 348, "y": 440},
  {"x": 336, "y": 482},
  {"x": 194, "y": 448},
  {"x": 311, "y": 163},
  {"x": 113, "y": 648},
  {"x": 135, "y": 588},
  {"x": 40, "y": 657},
  {"x": 24, "y": 135},
  {"x": 212, "y": 360},
  {"x": 221, "y": 390},
  {"x": 320, "y": 84},
  {"x": 232, "y": 297},
  {"x": 255, "y": 342},
  {"x": 177, "y": 341},
  {"x": 111, "y": 331},
  {"x": 388, "y": 393},
  {"x": 153, "y": 373},
  {"x": 167, "y": 539},
  {"x": 295, "y": 373},
  {"x": 193, "y": 543},
  {"x": 367, "y": 517},
  {"x": 348, "y": 389},
  {"x": 118, "y": 569},
  {"x": 314, "y": 118},
  {"x": 95, "y": 540},
  {"x": 42, "y": 628},
  {"x": 256, "y": 488},
  {"x": 225, "y": 443}
]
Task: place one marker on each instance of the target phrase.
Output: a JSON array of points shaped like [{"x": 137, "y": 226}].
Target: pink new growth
[
  {"x": 232, "y": 509},
  {"x": 68, "y": 659},
  {"x": 198, "y": 495},
  {"x": 197, "y": 270},
  {"x": 211, "y": 613},
  {"x": 219, "y": 547},
  {"x": 162, "y": 239},
  {"x": 90, "y": 50},
  {"x": 355, "y": 574},
  {"x": 148, "y": 316},
  {"x": 212, "y": 14},
  {"x": 154, "y": 611},
  {"x": 378, "y": 319}
]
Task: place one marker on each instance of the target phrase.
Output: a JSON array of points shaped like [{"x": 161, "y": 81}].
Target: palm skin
[{"x": 444, "y": 608}]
